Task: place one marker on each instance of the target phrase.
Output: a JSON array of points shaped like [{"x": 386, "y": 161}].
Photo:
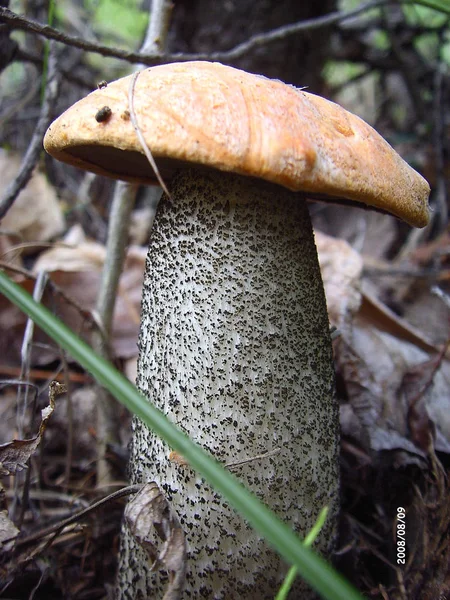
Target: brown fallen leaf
[
  {"x": 7, "y": 531},
  {"x": 36, "y": 215},
  {"x": 385, "y": 319},
  {"x": 148, "y": 513},
  {"x": 376, "y": 351},
  {"x": 14, "y": 455},
  {"x": 341, "y": 269},
  {"x": 373, "y": 366},
  {"x": 76, "y": 267},
  {"x": 368, "y": 233},
  {"x": 415, "y": 384}
]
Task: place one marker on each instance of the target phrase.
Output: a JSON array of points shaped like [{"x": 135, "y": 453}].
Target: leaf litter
[{"x": 393, "y": 382}]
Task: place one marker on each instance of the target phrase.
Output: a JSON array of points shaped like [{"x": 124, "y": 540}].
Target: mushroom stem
[{"x": 235, "y": 348}]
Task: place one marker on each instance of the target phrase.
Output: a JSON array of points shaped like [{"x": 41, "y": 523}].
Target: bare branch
[
  {"x": 16, "y": 21},
  {"x": 285, "y": 31},
  {"x": 158, "y": 26},
  {"x": 122, "y": 205},
  {"x": 441, "y": 214},
  {"x": 34, "y": 149},
  {"x": 58, "y": 527}
]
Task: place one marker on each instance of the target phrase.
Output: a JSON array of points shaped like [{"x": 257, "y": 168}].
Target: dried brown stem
[
  {"x": 58, "y": 527},
  {"x": 123, "y": 201}
]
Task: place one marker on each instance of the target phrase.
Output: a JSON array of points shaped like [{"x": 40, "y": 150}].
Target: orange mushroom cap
[{"x": 209, "y": 115}]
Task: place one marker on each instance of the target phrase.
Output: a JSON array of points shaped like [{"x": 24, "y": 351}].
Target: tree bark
[{"x": 205, "y": 26}]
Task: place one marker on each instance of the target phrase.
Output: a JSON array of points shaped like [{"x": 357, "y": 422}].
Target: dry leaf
[
  {"x": 141, "y": 222},
  {"x": 374, "y": 367},
  {"x": 76, "y": 268},
  {"x": 35, "y": 215},
  {"x": 341, "y": 268},
  {"x": 7, "y": 531},
  {"x": 149, "y": 513},
  {"x": 415, "y": 384},
  {"x": 426, "y": 312},
  {"x": 367, "y": 232},
  {"x": 382, "y": 317},
  {"x": 377, "y": 354},
  {"x": 14, "y": 455},
  {"x": 76, "y": 254},
  {"x": 82, "y": 286}
]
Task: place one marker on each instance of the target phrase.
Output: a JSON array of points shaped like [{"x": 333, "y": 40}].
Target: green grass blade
[
  {"x": 308, "y": 541},
  {"x": 311, "y": 567},
  {"x": 440, "y": 5},
  {"x": 315, "y": 530}
]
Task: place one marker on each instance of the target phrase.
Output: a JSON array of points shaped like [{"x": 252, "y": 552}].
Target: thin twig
[
  {"x": 20, "y": 383},
  {"x": 70, "y": 427},
  {"x": 25, "y": 351},
  {"x": 29, "y": 245},
  {"x": 56, "y": 289},
  {"x": 58, "y": 527},
  {"x": 158, "y": 27},
  {"x": 86, "y": 82},
  {"x": 141, "y": 138},
  {"x": 108, "y": 425},
  {"x": 16, "y": 21},
  {"x": 439, "y": 134},
  {"x": 246, "y": 461},
  {"x": 108, "y": 418},
  {"x": 121, "y": 208},
  {"x": 34, "y": 149},
  {"x": 154, "y": 43},
  {"x": 280, "y": 33},
  {"x": 22, "y": 402},
  {"x": 42, "y": 375}
]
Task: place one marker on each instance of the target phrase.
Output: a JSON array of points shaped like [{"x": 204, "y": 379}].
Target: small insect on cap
[{"x": 216, "y": 117}]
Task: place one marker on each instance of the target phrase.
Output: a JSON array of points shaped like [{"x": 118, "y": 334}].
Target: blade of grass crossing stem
[
  {"x": 321, "y": 576},
  {"x": 308, "y": 541}
]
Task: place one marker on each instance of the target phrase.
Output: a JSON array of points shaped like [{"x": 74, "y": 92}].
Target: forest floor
[{"x": 393, "y": 384}]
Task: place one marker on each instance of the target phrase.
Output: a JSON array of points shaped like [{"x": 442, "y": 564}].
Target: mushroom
[{"x": 234, "y": 343}]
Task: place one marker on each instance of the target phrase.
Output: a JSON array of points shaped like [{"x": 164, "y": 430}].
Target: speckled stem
[{"x": 235, "y": 348}]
